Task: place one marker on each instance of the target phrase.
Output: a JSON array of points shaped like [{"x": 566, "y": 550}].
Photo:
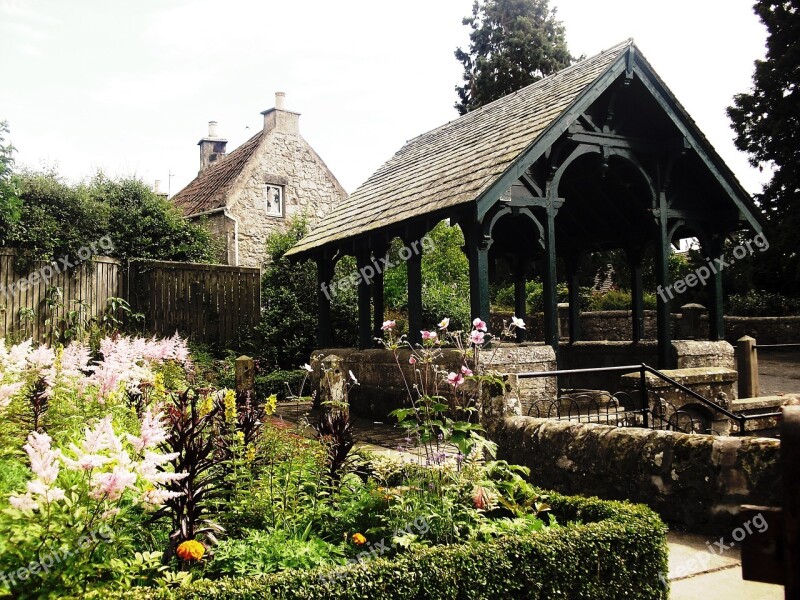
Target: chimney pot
[
  {"x": 280, "y": 100},
  {"x": 212, "y": 129},
  {"x": 157, "y": 186}
]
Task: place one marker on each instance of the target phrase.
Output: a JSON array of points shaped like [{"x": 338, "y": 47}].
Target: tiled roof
[
  {"x": 209, "y": 189},
  {"x": 455, "y": 163}
]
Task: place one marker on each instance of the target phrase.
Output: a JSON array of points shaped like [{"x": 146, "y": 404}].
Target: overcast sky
[{"x": 128, "y": 87}]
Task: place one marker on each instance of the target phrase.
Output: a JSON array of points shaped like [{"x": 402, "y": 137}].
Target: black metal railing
[
  {"x": 622, "y": 410},
  {"x": 774, "y": 346}
]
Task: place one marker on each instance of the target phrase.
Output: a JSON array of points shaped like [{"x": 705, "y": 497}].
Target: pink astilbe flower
[
  {"x": 75, "y": 359},
  {"x": 111, "y": 486},
  {"x": 479, "y": 325},
  {"x": 157, "y": 497},
  {"x": 15, "y": 359},
  {"x": 152, "y": 431},
  {"x": 8, "y": 391},
  {"x": 44, "y": 460},
  {"x": 24, "y": 502},
  {"x": 477, "y": 337},
  {"x": 41, "y": 358}
]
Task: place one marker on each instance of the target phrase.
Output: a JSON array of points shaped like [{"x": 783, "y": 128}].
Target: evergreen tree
[
  {"x": 767, "y": 125},
  {"x": 9, "y": 201},
  {"x": 513, "y": 43}
]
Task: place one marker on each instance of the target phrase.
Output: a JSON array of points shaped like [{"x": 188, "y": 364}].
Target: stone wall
[
  {"x": 309, "y": 188},
  {"x": 766, "y": 330},
  {"x": 385, "y": 381},
  {"x": 697, "y": 481}
]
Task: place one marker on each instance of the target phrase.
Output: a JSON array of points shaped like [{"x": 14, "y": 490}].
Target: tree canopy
[
  {"x": 57, "y": 219},
  {"x": 767, "y": 125},
  {"x": 513, "y": 43},
  {"x": 9, "y": 201}
]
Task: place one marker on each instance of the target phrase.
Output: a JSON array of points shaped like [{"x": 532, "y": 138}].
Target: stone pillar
[
  {"x": 691, "y": 324},
  {"x": 747, "y": 365}
]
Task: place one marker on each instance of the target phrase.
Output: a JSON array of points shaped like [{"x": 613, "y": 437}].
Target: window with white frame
[{"x": 274, "y": 200}]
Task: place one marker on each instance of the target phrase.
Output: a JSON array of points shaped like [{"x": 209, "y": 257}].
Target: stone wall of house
[
  {"x": 222, "y": 228},
  {"x": 309, "y": 188},
  {"x": 697, "y": 481}
]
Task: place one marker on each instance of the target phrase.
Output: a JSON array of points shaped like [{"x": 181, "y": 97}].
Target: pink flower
[
  {"x": 428, "y": 335},
  {"x": 444, "y": 323},
  {"x": 112, "y": 485},
  {"x": 157, "y": 497},
  {"x": 476, "y": 337},
  {"x": 44, "y": 460},
  {"x": 152, "y": 431},
  {"x": 24, "y": 502},
  {"x": 455, "y": 379},
  {"x": 8, "y": 391},
  {"x": 387, "y": 325},
  {"x": 466, "y": 371},
  {"x": 412, "y": 360},
  {"x": 518, "y": 323},
  {"x": 479, "y": 325}
]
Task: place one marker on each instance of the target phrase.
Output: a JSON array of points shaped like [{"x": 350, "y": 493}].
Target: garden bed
[{"x": 608, "y": 550}]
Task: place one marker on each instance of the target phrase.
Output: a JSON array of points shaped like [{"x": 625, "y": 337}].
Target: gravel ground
[{"x": 779, "y": 372}]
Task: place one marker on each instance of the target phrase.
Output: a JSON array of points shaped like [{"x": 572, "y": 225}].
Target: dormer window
[{"x": 274, "y": 200}]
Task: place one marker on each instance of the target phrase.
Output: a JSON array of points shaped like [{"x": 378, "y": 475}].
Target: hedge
[
  {"x": 603, "y": 549},
  {"x": 275, "y": 383}
]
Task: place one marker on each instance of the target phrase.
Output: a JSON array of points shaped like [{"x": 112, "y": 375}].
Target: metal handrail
[
  {"x": 739, "y": 418},
  {"x": 766, "y": 346}
]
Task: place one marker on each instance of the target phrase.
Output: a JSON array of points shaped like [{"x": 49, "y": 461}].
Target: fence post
[
  {"x": 245, "y": 376},
  {"x": 747, "y": 365},
  {"x": 643, "y": 392}
]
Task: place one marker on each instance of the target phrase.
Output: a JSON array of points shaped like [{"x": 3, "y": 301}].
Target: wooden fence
[
  {"x": 210, "y": 303},
  {"x": 33, "y": 300}
]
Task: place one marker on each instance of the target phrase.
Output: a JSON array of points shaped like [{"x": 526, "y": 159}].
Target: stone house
[{"x": 247, "y": 194}]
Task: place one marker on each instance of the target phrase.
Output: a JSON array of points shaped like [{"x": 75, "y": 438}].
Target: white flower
[
  {"x": 518, "y": 323},
  {"x": 353, "y": 377},
  {"x": 308, "y": 368}
]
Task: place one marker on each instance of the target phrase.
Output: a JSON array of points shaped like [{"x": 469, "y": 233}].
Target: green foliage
[
  {"x": 58, "y": 219},
  {"x": 281, "y": 383},
  {"x": 445, "y": 277},
  {"x": 767, "y": 128},
  {"x": 618, "y": 300},
  {"x": 260, "y": 553},
  {"x": 759, "y": 303},
  {"x": 288, "y": 328},
  {"x": 513, "y": 43},
  {"x": 608, "y": 550},
  {"x": 9, "y": 199}
]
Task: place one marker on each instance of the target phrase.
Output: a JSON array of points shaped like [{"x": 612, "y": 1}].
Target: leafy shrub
[
  {"x": 618, "y": 300},
  {"x": 758, "y": 303},
  {"x": 276, "y": 383}
]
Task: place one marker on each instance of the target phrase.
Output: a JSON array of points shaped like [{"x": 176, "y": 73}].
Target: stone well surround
[{"x": 698, "y": 481}]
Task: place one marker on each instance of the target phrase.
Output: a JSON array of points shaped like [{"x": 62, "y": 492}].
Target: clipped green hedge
[
  {"x": 604, "y": 550},
  {"x": 275, "y": 383}
]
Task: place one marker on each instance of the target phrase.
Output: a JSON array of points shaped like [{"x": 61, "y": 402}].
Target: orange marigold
[
  {"x": 359, "y": 540},
  {"x": 191, "y": 550}
]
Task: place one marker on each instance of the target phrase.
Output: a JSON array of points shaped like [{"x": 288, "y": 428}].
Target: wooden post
[
  {"x": 716, "y": 320},
  {"x": 520, "y": 296},
  {"x": 637, "y": 296},
  {"x": 378, "y": 303},
  {"x": 366, "y": 275},
  {"x": 245, "y": 376},
  {"x": 574, "y": 299},
  {"x": 414, "y": 266},
  {"x": 324, "y": 275},
  {"x": 747, "y": 365},
  {"x": 550, "y": 297},
  {"x": 663, "y": 290},
  {"x": 478, "y": 254},
  {"x": 790, "y": 458}
]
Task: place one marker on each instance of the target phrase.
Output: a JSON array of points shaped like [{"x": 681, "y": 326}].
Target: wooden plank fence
[
  {"x": 211, "y": 303},
  {"x": 28, "y": 299}
]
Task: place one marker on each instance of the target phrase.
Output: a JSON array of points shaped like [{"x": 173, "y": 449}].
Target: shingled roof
[
  {"x": 455, "y": 163},
  {"x": 209, "y": 190}
]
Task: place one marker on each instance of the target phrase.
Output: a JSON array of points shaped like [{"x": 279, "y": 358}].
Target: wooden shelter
[{"x": 598, "y": 156}]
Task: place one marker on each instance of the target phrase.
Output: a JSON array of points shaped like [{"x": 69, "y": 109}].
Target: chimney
[
  {"x": 157, "y": 189},
  {"x": 281, "y": 120},
  {"x": 212, "y": 148}
]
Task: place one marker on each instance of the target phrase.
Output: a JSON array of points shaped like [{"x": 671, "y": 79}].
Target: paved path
[
  {"x": 779, "y": 372},
  {"x": 694, "y": 572}
]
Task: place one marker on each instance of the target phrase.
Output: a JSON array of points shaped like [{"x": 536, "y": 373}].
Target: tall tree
[
  {"x": 767, "y": 125},
  {"x": 513, "y": 43}
]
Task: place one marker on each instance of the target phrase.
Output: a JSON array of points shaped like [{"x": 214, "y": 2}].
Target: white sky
[{"x": 128, "y": 87}]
